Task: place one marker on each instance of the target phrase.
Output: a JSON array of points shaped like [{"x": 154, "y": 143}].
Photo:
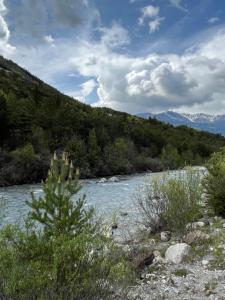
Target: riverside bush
[
  {"x": 61, "y": 252},
  {"x": 214, "y": 182},
  {"x": 169, "y": 203}
]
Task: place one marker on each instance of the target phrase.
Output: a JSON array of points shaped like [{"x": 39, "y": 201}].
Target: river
[{"x": 108, "y": 198}]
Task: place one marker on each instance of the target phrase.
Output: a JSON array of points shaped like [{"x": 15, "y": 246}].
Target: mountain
[
  {"x": 205, "y": 122},
  {"x": 36, "y": 120}
]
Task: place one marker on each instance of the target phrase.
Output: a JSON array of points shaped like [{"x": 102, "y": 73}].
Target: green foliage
[
  {"x": 25, "y": 154},
  {"x": 85, "y": 266},
  {"x": 68, "y": 257},
  {"x": 170, "y": 157},
  {"x": 182, "y": 196},
  {"x": 214, "y": 182},
  {"x": 100, "y": 140},
  {"x": 56, "y": 210},
  {"x": 171, "y": 203}
]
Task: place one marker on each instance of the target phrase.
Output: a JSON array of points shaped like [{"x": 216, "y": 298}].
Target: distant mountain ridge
[{"x": 200, "y": 121}]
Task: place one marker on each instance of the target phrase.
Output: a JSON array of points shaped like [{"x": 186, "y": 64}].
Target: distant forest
[{"x": 36, "y": 120}]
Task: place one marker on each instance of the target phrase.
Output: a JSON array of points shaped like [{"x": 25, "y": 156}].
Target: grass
[{"x": 181, "y": 272}]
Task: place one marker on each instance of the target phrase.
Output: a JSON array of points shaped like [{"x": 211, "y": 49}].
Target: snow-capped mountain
[{"x": 206, "y": 122}]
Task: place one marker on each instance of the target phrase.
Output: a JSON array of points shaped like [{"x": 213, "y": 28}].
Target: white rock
[
  {"x": 205, "y": 262},
  {"x": 165, "y": 236},
  {"x": 195, "y": 225},
  {"x": 102, "y": 180},
  {"x": 223, "y": 225},
  {"x": 177, "y": 253}
]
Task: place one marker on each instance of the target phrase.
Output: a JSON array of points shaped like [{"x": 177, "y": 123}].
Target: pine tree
[{"x": 56, "y": 210}]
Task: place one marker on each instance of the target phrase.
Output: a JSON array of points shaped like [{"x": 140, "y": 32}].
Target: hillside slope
[{"x": 36, "y": 120}]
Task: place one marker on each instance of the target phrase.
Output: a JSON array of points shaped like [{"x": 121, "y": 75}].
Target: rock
[
  {"x": 195, "y": 225},
  {"x": 223, "y": 225},
  {"x": 205, "y": 262},
  {"x": 158, "y": 258},
  {"x": 123, "y": 214},
  {"x": 146, "y": 261},
  {"x": 114, "y": 226},
  {"x": 113, "y": 179},
  {"x": 205, "y": 220},
  {"x": 165, "y": 236},
  {"x": 196, "y": 236},
  {"x": 102, "y": 180},
  {"x": 177, "y": 253}
]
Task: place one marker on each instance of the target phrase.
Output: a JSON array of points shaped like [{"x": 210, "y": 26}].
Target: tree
[
  {"x": 94, "y": 149},
  {"x": 215, "y": 182},
  {"x": 170, "y": 156},
  {"x": 56, "y": 211}
]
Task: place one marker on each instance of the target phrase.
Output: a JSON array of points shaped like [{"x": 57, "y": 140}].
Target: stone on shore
[
  {"x": 196, "y": 236},
  {"x": 177, "y": 253},
  {"x": 165, "y": 236}
]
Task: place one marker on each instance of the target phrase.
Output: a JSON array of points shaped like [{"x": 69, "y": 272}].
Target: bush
[
  {"x": 61, "y": 253},
  {"x": 170, "y": 203},
  {"x": 214, "y": 182},
  {"x": 83, "y": 267}
]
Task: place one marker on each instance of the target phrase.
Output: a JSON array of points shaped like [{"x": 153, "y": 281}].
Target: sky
[{"x": 131, "y": 55}]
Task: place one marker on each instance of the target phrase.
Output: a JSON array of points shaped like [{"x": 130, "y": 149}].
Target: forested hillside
[{"x": 36, "y": 120}]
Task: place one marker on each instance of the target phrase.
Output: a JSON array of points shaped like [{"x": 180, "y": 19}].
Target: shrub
[
  {"x": 56, "y": 210},
  {"x": 170, "y": 203},
  {"x": 83, "y": 267},
  {"x": 214, "y": 182},
  {"x": 61, "y": 253}
]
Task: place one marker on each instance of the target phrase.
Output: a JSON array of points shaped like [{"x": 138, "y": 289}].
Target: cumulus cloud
[
  {"x": 213, "y": 20},
  {"x": 157, "y": 82}
]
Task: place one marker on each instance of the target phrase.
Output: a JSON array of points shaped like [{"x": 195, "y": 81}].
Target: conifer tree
[{"x": 56, "y": 210}]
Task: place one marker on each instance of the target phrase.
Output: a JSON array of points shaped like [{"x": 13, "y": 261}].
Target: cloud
[
  {"x": 88, "y": 87},
  {"x": 32, "y": 20},
  {"x": 115, "y": 36},
  {"x": 178, "y": 4},
  {"x": 151, "y": 13},
  {"x": 5, "y": 46},
  {"x": 148, "y": 12},
  {"x": 49, "y": 39},
  {"x": 213, "y": 20},
  {"x": 157, "y": 82},
  {"x": 155, "y": 24}
]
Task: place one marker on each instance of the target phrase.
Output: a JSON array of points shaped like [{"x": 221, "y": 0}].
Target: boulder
[
  {"x": 196, "y": 236},
  {"x": 113, "y": 179},
  {"x": 195, "y": 225},
  {"x": 177, "y": 253},
  {"x": 165, "y": 236}
]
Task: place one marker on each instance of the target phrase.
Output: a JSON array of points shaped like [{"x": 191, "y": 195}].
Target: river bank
[{"x": 171, "y": 267}]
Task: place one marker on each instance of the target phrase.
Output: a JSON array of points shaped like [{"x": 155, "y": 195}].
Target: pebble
[{"x": 205, "y": 262}]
